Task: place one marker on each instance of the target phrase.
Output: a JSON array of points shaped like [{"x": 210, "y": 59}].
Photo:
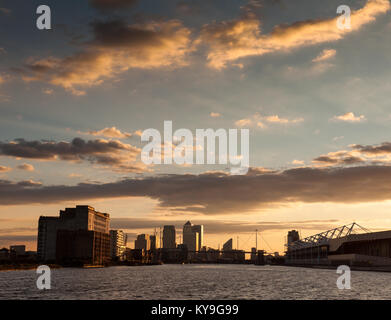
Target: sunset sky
[{"x": 74, "y": 100}]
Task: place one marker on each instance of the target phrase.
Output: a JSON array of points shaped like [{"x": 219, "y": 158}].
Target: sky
[{"x": 75, "y": 99}]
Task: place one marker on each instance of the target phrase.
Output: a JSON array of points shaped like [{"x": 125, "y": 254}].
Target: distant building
[
  {"x": 228, "y": 245},
  {"x": 253, "y": 254},
  {"x": 293, "y": 236},
  {"x": 169, "y": 237},
  {"x": 118, "y": 240},
  {"x": 142, "y": 242},
  {"x": 200, "y": 230},
  {"x": 71, "y": 219},
  {"x": 193, "y": 236},
  {"x": 153, "y": 242},
  {"x": 18, "y": 249}
]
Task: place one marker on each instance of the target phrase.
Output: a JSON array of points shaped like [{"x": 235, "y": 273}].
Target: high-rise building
[
  {"x": 191, "y": 237},
  {"x": 200, "y": 230},
  {"x": 142, "y": 242},
  {"x": 153, "y": 242},
  {"x": 169, "y": 237},
  {"x": 71, "y": 219},
  {"x": 118, "y": 240}
]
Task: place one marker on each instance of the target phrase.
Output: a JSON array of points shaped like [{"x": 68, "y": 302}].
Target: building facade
[
  {"x": 169, "y": 237},
  {"x": 118, "y": 240},
  {"x": 71, "y": 219},
  {"x": 80, "y": 247},
  {"x": 193, "y": 236},
  {"x": 142, "y": 242}
]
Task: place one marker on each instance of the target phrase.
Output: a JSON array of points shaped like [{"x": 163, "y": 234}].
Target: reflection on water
[{"x": 195, "y": 282}]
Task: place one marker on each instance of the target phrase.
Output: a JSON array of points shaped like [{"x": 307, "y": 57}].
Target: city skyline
[{"x": 76, "y": 99}]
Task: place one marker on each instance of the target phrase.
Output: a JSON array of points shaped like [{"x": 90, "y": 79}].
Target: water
[{"x": 195, "y": 282}]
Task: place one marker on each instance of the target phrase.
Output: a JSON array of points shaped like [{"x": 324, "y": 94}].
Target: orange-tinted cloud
[
  {"x": 232, "y": 40},
  {"x": 116, "y": 48},
  {"x": 216, "y": 193}
]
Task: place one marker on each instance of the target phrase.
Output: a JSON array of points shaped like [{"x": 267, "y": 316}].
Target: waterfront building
[
  {"x": 71, "y": 219},
  {"x": 350, "y": 245},
  {"x": 82, "y": 247},
  {"x": 169, "y": 237},
  {"x": 118, "y": 240}
]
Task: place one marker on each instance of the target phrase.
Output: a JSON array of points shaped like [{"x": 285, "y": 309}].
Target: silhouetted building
[
  {"x": 293, "y": 236},
  {"x": 79, "y": 247},
  {"x": 349, "y": 245},
  {"x": 18, "y": 249},
  {"x": 228, "y": 245},
  {"x": 153, "y": 242},
  {"x": 72, "y": 219},
  {"x": 118, "y": 240},
  {"x": 169, "y": 237},
  {"x": 142, "y": 242},
  {"x": 190, "y": 237}
]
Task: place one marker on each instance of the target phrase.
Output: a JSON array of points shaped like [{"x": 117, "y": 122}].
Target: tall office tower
[
  {"x": 118, "y": 241},
  {"x": 71, "y": 219},
  {"x": 142, "y": 242},
  {"x": 153, "y": 242},
  {"x": 190, "y": 237},
  {"x": 169, "y": 237},
  {"x": 200, "y": 230}
]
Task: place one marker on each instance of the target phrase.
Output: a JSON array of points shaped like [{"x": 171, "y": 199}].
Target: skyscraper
[
  {"x": 200, "y": 230},
  {"x": 153, "y": 242},
  {"x": 192, "y": 236},
  {"x": 169, "y": 237},
  {"x": 142, "y": 242}
]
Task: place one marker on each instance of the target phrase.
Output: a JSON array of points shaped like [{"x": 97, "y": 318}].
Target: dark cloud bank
[{"x": 218, "y": 193}]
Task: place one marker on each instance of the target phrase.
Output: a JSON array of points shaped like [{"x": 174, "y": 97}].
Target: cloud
[
  {"x": 18, "y": 238},
  {"x": 359, "y": 154},
  {"x": 228, "y": 41},
  {"x": 261, "y": 121},
  {"x": 215, "y": 114},
  {"x": 111, "y": 154},
  {"x": 106, "y": 5},
  {"x": 220, "y": 193},
  {"x": 115, "y": 48},
  {"x": 298, "y": 162},
  {"x": 212, "y": 226},
  {"x": 112, "y": 132},
  {"x": 326, "y": 54},
  {"x": 26, "y": 167},
  {"x": 5, "y": 169},
  {"x": 349, "y": 117},
  {"x": 29, "y": 183}
]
